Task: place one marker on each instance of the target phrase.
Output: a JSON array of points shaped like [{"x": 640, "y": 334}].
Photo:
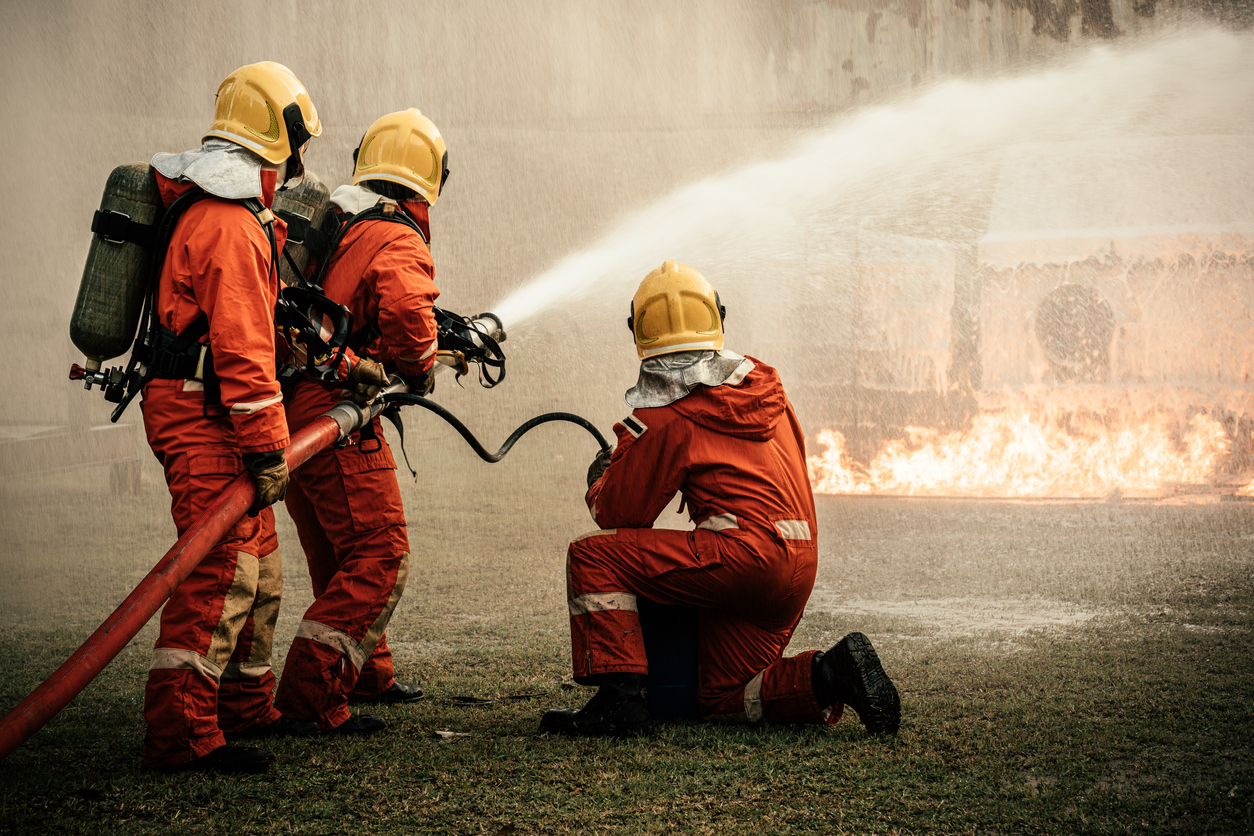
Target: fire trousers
[
  {"x": 751, "y": 593},
  {"x": 210, "y": 668},
  {"x": 347, "y": 508}
]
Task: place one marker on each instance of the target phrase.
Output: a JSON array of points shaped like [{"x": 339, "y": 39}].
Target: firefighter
[
  {"x": 212, "y": 409},
  {"x": 345, "y": 501},
  {"x": 717, "y": 428}
]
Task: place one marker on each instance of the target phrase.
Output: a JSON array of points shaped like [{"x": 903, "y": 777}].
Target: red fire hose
[{"x": 55, "y": 693}]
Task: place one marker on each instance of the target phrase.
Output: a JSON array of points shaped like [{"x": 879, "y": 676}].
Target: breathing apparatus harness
[
  {"x": 461, "y": 340},
  {"x": 158, "y": 352},
  {"x": 321, "y": 329}
]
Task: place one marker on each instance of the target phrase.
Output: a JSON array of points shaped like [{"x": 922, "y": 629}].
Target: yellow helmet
[
  {"x": 265, "y": 109},
  {"x": 403, "y": 147},
  {"x": 675, "y": 309}
]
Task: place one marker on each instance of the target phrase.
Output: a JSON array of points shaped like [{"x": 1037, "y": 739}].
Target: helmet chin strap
[{"x": 298, "y": 138}]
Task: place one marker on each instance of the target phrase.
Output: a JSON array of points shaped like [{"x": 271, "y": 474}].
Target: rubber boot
[
  {"x": 618, "y": 708},
  {"x": 851, "y": 673},
  {"x": 360, "y": 724},
  {"x": 282, "y": 727},
  {"x": 227, "y": 760},
  {"x": 398, "y": 694}
]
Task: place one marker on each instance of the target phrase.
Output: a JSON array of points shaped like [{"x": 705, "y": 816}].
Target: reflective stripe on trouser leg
[
  {"x": 348, "y": 512},
  {"x": 376, "y": 675},
  {"x": 247, "y": 686},
  {"x": 325, "y": 661},
  {"x": 780, "y": 693},
  {"x": 604, "y": 625},
  {"x": 181, "y": 697}
]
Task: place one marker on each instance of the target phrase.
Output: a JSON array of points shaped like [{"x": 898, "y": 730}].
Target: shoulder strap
[
  {"x": 266, "y": 218},
  {"x": 149, "y": 335},
  {"x": 392, "y": 212},
  {"x": 379, "y": 212},
  {"x": 316, "y": 240}
]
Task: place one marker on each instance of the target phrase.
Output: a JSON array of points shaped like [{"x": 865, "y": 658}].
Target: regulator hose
[{"x": 482, "y": 451}]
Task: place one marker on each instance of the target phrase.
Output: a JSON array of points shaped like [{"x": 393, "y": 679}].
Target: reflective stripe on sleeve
[
  {"x": 602, "y": 602},
  {"x": 634, "y": 425},
  {"x": 753, "y": 698},
  {"x": 254, "y": 406},
  {"x": 174, "y": 658},
  {"x": 793, "y": 529},
  {"x": 719, "y": 522},
  {"x": 424, "y": 356},
  {"x": 333, "y": 638}
]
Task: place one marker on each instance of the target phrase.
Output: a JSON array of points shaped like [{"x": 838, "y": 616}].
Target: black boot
[
  {"x": 619, "y": 708},
  {"x": 227, "y": 760},
  {"x": 850, "y": 673},
  {"x": 397, "y": 694},
  {"x": 282, "y": 727},
  {"x": 360, "y": 724}
]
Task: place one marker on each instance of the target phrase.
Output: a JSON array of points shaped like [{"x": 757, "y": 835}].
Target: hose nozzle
[{"x": 491, "y": 324}]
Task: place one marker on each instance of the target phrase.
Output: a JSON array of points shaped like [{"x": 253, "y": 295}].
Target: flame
[{"x": 1030, "y": 453}]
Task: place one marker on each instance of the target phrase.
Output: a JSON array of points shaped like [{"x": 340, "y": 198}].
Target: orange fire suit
[
  {"x": 737, "y": 455},
  {"x": 211, "y": 665},
  {"x": 345, "y": 502}
]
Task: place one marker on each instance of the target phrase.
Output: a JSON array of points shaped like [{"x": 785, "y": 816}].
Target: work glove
[
  {"x": 599, "y": 465},
  {"x": 365, "y": 381},
  {"x": 269, "y": 471},
  {"x": 421, "y": 384}
]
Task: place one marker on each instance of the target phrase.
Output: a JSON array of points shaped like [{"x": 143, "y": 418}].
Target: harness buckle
[{"x": 113, "y": 223}]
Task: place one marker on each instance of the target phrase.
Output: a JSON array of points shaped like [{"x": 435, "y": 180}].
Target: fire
[{"x": 1029, "y": 453}]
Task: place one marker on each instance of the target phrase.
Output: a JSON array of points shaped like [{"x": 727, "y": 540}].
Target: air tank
[
  {"x": 111, "y": 293},
  {"x": 304, "y": 210}
]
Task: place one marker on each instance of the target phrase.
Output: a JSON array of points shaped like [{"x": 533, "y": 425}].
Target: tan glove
[
  {"x": 365, "y": 380},
  {"x": 422, "y": 384},
  {"x": 599, "y": 465},
  {"x": 269, "y": 471}
]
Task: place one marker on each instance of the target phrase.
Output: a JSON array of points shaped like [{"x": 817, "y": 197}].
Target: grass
[{"x": 1136, "y": 719}]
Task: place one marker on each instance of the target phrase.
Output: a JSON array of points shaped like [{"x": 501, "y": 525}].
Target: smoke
[{"x": 566, "y": 121}]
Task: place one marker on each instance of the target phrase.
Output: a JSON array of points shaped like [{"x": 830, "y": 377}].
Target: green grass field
[{"x": 1064, "y": 668}]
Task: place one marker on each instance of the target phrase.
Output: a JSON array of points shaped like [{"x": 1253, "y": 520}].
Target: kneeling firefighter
[
  {"x": 718, "y": 428},
  {"x": 345, "y": 501},
  {"x": 212, "y": 408}
]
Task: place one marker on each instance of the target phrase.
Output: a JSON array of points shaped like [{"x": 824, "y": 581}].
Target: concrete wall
[{"x": 561, "y": 115}]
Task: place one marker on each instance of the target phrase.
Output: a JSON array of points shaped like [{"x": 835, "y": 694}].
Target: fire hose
[
  {"x": 32, "y": 713},
  {"x": 513, "y": 437}
]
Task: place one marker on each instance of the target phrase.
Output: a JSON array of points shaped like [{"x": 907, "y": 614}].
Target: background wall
[{"x": 561, "y": 117}]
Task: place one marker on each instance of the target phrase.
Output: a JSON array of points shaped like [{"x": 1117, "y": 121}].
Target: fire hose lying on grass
[{"x": 128, "y": 619}]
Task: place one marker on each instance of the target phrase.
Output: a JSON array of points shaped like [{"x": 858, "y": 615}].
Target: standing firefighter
[
  {"x": 345, "y": 501},
  {"x": 212, "y": 408},
  {"x": 718, "y": 428}
]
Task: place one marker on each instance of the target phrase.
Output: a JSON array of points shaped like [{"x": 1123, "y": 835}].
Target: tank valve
[{"x": 111, "y": 381}]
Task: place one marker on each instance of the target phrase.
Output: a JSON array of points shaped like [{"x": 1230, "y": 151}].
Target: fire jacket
[
  {"x": 736, "y": 453},
  {"x": 219, "y": 264},
  {"x": 384, "y": 274}
]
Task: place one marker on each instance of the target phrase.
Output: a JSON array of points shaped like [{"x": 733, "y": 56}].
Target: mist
[{"x": 587, "y": 142}]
